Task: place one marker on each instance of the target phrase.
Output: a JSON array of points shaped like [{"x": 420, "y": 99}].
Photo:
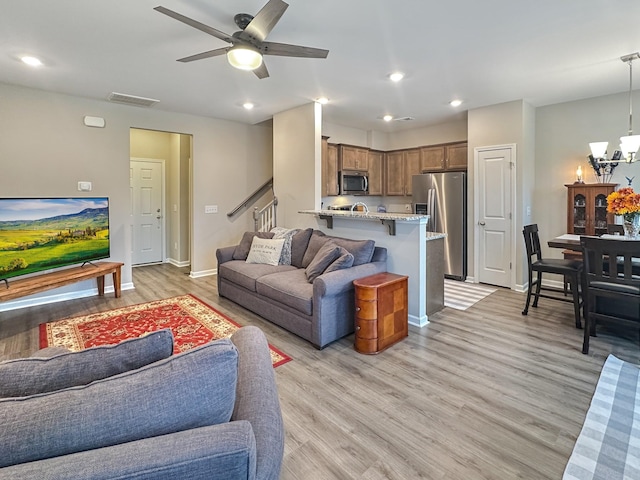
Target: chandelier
[{"x": 630, "y": 143}]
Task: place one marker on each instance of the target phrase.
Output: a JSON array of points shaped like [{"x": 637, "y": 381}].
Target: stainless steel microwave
[{"x": 354, "y": 183}]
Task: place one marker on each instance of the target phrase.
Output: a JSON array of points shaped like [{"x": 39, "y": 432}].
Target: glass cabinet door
[
  {"x": 600, "y": 214},
  {"x": 580, "y": 214}
]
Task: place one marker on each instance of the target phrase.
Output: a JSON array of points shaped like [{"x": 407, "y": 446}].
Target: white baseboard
[
  {"x": 60, "y": 297},
  {"x": 418, "y": 321},
  {"x": 178, "y": 263},
  {"x": 204, "y": 273}
]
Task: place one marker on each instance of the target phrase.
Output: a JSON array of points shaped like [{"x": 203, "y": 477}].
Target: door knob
[{"x": 481, "y": 223}]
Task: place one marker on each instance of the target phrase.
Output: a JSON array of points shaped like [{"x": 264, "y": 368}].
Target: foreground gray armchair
[{"x": 159, "y": 421}]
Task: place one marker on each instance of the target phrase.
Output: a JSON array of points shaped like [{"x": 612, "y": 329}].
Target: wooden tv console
[{"x": 22, "y": 287}]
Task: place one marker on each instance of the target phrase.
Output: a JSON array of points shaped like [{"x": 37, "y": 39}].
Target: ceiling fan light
[
  {"x": 244, "y": 58},
  {"x": 598, "y": 149},
  {"x": 629, "y": 146}
]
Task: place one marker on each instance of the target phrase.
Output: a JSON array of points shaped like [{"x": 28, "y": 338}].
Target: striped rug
[{"x": 461, "y": 295}]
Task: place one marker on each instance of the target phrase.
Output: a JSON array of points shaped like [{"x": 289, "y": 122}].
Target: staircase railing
[{"x": 265, "y": 218}]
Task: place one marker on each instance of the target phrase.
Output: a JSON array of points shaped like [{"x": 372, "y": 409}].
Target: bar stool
[{"x": 571, "y": 270}]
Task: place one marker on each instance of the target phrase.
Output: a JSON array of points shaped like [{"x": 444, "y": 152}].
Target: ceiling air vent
[
  {"x": 403, "y": 119},
  {"x": 131, "y": 99}
]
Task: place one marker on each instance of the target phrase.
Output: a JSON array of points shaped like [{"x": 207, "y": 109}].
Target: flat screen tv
[{"x": 39, "y": 234}]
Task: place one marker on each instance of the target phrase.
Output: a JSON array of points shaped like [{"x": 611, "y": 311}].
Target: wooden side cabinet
[
  {"x": 587, "y": 208},
  {"x": 381, "y": 311},
  {"x": 375, "y": 172},
  {"x": 329, "y": 168}
]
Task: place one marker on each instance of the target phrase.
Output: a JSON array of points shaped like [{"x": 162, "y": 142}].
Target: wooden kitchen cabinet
[
  {"x": 587, "y": 208},
  {"x": 381, "y": 311},
  {"x": 394, "y": 173},
  {"x": 432, "y": 159},
  {"x": 455, "y": 157},
  {"x": 330, "y": 186},
  {"x": 353, "y": 158},
  {"x": 375, "y": 159},
  {"x": 399, "y": 168}
]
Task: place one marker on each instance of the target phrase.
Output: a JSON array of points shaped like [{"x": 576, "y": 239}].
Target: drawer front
[
  {"x": 367, "y": 294},
  {"x": 364, "y": 345},
  {"x": 366, "y": 310},
  {"x": 366, "y": 328}
]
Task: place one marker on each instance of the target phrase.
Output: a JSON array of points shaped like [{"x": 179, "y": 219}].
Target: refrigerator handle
[{"x": 431, "y": 209}]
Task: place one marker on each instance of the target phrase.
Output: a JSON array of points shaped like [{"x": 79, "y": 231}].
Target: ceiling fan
[{"x": 248, "y": 45}]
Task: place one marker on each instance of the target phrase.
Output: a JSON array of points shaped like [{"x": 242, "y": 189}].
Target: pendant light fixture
[{"x": 630, "y": 143}]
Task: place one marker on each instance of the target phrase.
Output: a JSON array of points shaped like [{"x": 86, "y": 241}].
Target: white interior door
[
  {"x": 147, "y": 227},
  {"x": 494, "y": 213}
]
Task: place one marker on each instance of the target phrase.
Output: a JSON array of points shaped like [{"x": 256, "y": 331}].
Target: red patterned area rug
[{"x": 192, "y": 322}]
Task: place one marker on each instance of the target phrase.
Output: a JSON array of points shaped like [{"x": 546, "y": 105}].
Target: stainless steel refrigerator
[{"x": 443, "y": 196}]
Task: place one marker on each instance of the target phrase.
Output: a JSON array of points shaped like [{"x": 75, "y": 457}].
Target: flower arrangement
[{"x": 624, "y": 202}]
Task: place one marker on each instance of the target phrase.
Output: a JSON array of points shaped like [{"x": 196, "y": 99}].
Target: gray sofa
[
  {"x": 320, "y": 311},
  {"x": 209, "y": 413}
]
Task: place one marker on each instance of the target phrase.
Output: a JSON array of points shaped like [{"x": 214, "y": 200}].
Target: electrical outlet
[
  {"x": 407, "y": 208},
  {"x": 211, "y": 209}
]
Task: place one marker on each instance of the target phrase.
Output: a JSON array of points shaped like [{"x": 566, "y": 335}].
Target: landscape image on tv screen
[{"x": 44, "y": 233}]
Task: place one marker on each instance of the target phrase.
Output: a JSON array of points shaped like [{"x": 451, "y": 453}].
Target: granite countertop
[
  {"x": 435, "y": 235},
  {"x": 406, "y": 217}
]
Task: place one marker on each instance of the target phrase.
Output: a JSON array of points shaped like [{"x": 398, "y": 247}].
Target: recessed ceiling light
[
  {"x": 32, "y": 61},
  {"x": 387, "y": 118},
  {"x": 248, "y": 105},
  {"x": 455, "y": 103},
  {"x": 396, "y": 76},
  {"x": 322, "y": 100}
]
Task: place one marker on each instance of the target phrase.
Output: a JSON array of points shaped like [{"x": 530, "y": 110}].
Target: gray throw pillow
[
  {"x": 286, "y": 234},
  {"x": 242, "y": 249},
  {"x": 345, "y": 260},
  {"x": 362, "y": 250},
  {"x": 299, "y": 243},
  {"x": 317, "y": 240},
  {"x": 186, "y": 391},
  {"x": 29, "y": 376},
  {"x": 325, "y": 257}
]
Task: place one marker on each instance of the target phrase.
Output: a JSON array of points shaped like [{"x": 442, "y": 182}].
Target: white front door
[
  {"x": 147, "y": 225},
  {"x": 494, "y": 226}
]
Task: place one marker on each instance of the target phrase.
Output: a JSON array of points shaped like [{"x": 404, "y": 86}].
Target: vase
[{"x": 631, "y": 226}]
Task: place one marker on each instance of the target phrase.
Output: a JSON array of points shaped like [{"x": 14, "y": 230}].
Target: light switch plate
[
  {"x": 84, "y": 186},
  {"x": 211, "y": 209}
]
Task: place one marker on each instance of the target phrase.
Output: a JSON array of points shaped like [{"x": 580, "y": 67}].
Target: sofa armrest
[
  {"x": 225, "y": 254},
  {"x": 257, "y": 400},
  {"x": 340, "y": 281}
]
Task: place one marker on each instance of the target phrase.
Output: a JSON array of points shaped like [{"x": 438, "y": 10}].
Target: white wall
[
  {"x": 563, "y": 133},
  {"x": 45, "y": 150},
  {"x": 297, "y": 151}
]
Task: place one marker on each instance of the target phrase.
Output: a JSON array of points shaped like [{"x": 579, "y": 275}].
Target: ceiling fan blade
[
  {"x": 195, "y": 24},
  {"x": 286, "y": 50},
  {"x": 208, "y": 54},
  {"x": 261, "y": 72},
  {"x": 266, "y": 19}
]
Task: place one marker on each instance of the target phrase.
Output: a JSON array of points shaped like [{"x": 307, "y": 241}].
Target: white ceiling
[{"x": 482, "y": 51}]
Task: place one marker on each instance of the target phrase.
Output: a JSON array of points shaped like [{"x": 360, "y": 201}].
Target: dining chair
[
  {"x": 571, "y": 270},
  {"x": 610, "y": 294},
  {"x": 615, "y": 228}
]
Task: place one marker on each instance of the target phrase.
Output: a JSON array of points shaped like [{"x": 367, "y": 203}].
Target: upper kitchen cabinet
[
  {"x": 432, "y": 159},
  {"x": 353, "y": 158},
  {"x": 456, "y": 156},
  {"x": 329, "y": 169},
  {"x": 375, "y": 160},
  {"x": 440, "y": 158},
  {"x": 399, "y": 168}
]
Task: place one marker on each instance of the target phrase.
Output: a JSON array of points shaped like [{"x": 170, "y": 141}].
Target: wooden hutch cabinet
[{"x": 587, "y": 208}]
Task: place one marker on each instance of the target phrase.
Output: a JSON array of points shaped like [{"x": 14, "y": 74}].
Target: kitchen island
[{"x": 412, "y": 251}]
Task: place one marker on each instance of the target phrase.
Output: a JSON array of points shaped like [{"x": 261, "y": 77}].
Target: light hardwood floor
[{"x": 478, "y": 394}]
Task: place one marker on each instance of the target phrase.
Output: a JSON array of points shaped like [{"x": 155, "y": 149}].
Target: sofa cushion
[
  {"x": 299, "y": 243},
  {"x": 242, "y": 249},
  {"x": 265, "y": 251},
  {"x": 317, "y": 240},
  {"x": 245, "y": 274},
  {"x": 345, "y": 260},
  {"x": 289, "y": 288},
  {"x": 29, "y": 376},
  {"x": 190, "y": 390},
  {"x": 362, "y": 250},
  {"x": 286, "y": 234},
  {"x": 327, "y": 254}
]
